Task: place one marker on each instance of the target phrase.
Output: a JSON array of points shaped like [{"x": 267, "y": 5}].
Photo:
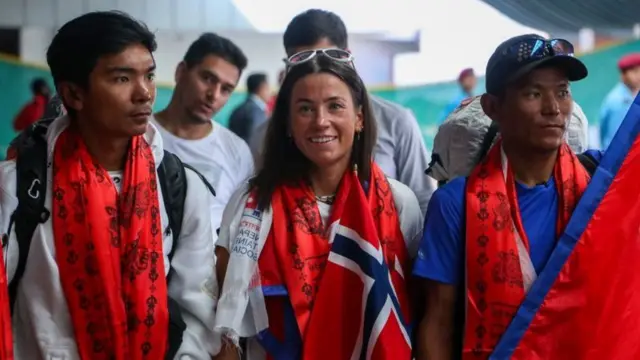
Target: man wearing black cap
[{"x": 487, "y": 236}]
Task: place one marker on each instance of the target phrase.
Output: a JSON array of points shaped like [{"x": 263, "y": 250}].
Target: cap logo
[{"x": 524, "y": 51}]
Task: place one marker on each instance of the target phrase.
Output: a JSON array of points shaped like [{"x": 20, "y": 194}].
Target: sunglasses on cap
[
  {"x": 532, "y": 49},
  {"x": 302, "y": 57}
]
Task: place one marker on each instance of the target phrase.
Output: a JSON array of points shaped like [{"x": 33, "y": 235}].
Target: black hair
[
  {"x": 214, "y": 44},
  {"x": 37, "y": 85},
  {"x": 254, "y": 81},
  {"x": 283, "y": 162},
  {"x": 78, "y": 44},
  {"x": 313, "y": 25}
]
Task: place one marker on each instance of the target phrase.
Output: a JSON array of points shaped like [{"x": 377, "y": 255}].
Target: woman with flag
[{"x": 315, "y": 251}]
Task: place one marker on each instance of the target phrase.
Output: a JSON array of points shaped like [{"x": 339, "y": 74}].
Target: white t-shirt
[
  {"x": 223, "y": 158},
  {"x": 116, "y": 177}
]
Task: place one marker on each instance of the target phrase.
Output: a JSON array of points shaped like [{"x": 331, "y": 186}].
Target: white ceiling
[{"x": 175, "y": 15}]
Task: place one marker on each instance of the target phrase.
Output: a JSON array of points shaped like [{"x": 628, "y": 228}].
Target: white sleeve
[
  {"x": 246, "y": 165},
  {"x": 231, "y": 215},
  {"x": 245, "y": 170},
  {"x": 8, "y": 204},
  {"x": 409, "y": 215},
  {"x": 193, "y": 284},
  {"x": 412, "y": 158}
]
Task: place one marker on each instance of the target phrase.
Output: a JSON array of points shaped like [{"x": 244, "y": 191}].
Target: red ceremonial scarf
[
  {"x": 495, "y": 287},
  {"x": 6, "y": 340},
  {"x": 297, "y": 248},
  {"x": 109, "y": 252}
]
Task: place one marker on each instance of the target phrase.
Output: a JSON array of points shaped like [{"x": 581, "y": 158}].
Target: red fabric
[
  {"x": 109, "y": 252},
  {"x": 11, "y": 153},
  {"x": 271, "y": 104},
  {"x": 326, "y": 298},
  {"x": 629, "y": 61},
  {"x": 592, "y": 310},
  {"x": 6, "y": 340},
  {"x": 494, "y": 278},
  {"x": 30, "y": 113},
  {"x": 464, "y": 73}
]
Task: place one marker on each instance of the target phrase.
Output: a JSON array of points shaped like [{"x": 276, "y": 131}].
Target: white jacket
[
  {"x": 409, "y": 216},
  {"x": 42, "y": 327}
]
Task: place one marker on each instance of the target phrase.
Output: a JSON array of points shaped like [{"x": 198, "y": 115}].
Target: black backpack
[{"x": 31, "y": 187}]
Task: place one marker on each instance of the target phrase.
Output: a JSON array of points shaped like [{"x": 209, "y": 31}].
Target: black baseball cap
[{"x": 521, "y": 54}]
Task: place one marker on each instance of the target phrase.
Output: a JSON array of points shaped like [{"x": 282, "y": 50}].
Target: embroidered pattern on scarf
[
  {"x": 6, "y": 338},
  {"x": 494, "y": 270},
  {"x": 109, "y": 252}
]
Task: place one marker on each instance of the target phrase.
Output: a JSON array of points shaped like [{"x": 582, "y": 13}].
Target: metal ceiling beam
[{"x": 571, "y": 15}]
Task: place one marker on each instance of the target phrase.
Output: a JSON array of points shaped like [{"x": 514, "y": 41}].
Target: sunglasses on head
[
  {"x": 302, "y": 57},
  {"x": 537, "y": 48}
]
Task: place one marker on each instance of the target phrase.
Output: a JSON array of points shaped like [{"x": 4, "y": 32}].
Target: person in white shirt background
[
  {"x": 94, "y": 283},
  {"x": 400, "y": 150},
  {"x": 205, "y": 79}
]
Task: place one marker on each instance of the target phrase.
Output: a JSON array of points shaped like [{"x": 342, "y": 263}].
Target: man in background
[
  {"x": 272, "y": 101},
  {"x": 467, "y": 81},
  {"x": 617, "y": 103},
  {"x": 33, "y": 110},
  {"x": 205, "y": 79},
  {"x": 255, "y": 141},
  {"x": 400, "y": 151},
  {"x": 253, "y": 112}
]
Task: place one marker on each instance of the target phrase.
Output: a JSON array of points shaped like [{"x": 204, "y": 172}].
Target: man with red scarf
[
  {"x": 95, "y": 280},
  {"x": 488, "y": 236}
]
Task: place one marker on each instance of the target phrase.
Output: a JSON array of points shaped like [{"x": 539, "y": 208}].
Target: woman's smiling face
[{"x": 324, "y": 119}]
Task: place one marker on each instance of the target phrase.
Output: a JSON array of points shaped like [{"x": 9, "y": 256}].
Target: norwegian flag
[{"x": 361, "y": 311}]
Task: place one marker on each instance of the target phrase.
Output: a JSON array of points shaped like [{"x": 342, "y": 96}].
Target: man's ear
[
  {"x": 71, "y": 95},
  {"x": 181, "y": 69},
  {"x": 490, "y": 106}
]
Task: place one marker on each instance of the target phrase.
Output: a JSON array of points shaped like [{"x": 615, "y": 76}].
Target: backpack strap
[
  {"x": 172, "y": 180},
  {"x": 173, "y": 184},
  {"x": 589, "y": 162},
  {"x": 204, "y": 180},
  {"x": 487, "y": 141},
  {"x": 31, "y": 188}
]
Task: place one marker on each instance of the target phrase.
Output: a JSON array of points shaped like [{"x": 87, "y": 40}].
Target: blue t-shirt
[
  {"x": 442, "y": 247},
  {"x": 614, "y": 109},
  {"x": 457, "y": 100}
]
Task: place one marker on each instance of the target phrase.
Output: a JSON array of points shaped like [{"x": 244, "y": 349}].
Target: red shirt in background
[
  {"x": 30, "y": 113},
  {"x": 271, "y": 104}
]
